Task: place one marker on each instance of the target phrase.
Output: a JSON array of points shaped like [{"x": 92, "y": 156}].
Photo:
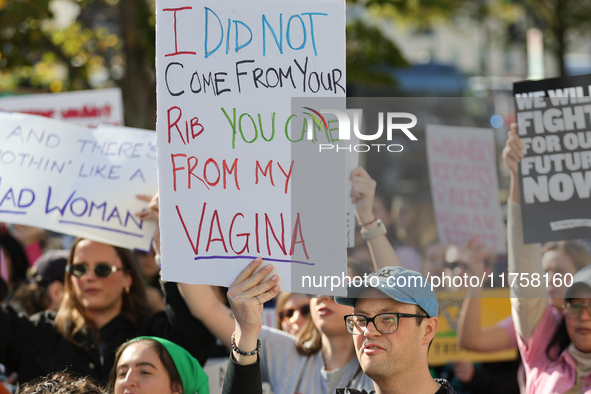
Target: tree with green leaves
[
  {"x": 558, "y": 19},
  {"x": 64, "y": 45}
]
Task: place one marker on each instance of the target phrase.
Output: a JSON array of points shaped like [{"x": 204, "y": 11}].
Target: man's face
[{"x": 388, "y": 355}]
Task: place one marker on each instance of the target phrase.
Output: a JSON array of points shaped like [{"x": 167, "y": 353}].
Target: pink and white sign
[{"x": 464, "y": 186}]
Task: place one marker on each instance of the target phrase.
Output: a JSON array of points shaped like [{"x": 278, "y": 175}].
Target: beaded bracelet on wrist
[{"x": 242, "y": 352}]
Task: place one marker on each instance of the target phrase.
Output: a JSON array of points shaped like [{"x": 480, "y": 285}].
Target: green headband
[{"x": 194, "y": 379}]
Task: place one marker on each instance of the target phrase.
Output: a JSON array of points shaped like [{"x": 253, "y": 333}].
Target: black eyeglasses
[
  {"x": 288, "y": 313},
  {"x": 101, "y": 270},
  {"x": 386, "y": 323},
  {"x": 574, "y": 310}
]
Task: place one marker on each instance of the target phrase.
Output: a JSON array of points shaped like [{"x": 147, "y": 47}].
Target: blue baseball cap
[{"x": 400, "y": 284}]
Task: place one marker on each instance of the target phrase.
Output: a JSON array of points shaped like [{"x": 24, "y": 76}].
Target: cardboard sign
[
  {"x": 87, "y": 108},
  {"x": 235, "y": 178},
  {"x": 496, "y": 306},
  {"x": 76, "y": 180},
  {"x": 464, "y": 186},
  {"x": 554, "y": 123}
]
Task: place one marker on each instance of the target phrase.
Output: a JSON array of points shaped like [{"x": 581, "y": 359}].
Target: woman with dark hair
[
  {"x": 104, "y": 305},
  {"x": 13, "y": 262},
  {"x": 156, "y": 365},
  {"x": 555, "y": 347},
  {"x": 45, "y": 288}
]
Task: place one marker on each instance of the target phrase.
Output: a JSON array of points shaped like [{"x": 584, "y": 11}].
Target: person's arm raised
[
  {"x": 151, "y": 212},
  {"x": 205, "y": 306},
  {"x": 363, "y": 193},
  {"x": 528, "y": 303},
  {"x": 471, "y": 335},
  {"x": 218, "y": 318},
  {"x": 247, "y": 294},
  {"x": 512, "y": 155}
]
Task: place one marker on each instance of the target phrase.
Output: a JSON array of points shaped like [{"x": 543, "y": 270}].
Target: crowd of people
[{"x": 81, "y": 316}]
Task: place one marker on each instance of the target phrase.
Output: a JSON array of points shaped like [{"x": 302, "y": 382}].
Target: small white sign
[
  {"x": 77, "y": 180},
  {"x": 86, "y": 108}
]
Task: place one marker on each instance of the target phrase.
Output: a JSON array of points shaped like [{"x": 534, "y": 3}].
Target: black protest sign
[{"x": 554, "y": 124}]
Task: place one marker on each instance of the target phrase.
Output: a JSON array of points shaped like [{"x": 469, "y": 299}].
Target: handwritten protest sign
[
  {"x": 554, "y": 124},
  {"x": 76, "y": 180},
  {"x": 231, "y": 184},
  {"x": 496, "y": 306},
  {"x": 464, "y": 186},
  {"x": 86, "y": 108}
]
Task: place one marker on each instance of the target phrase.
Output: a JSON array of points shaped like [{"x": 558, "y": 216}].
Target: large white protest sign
[
  {"x": 464, "y": 186},
  {"x": 76, "y": 180},
  {"x": 226, "y": 138},
  {"x": 86, "y": 107}
]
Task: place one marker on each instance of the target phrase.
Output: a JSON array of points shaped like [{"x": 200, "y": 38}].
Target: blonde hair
[
  {"x": 71, "y": 317},
  {"x": 282, "y": 299},
  {"x": 422, "y": 230},
  {"x": 578, "y": 253},
  {"x": 309, "y": 340}
]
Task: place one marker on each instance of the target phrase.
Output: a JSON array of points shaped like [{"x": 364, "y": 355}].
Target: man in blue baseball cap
[{"x": 393, "y": 323}]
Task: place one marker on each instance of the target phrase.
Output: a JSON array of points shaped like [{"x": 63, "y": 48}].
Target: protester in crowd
[
  {"x": 45, "y": 288},
  {"x": 394, "y": 304},
  {"x": 151, "y": 274},
  {"x": 103, "y": 306},
  {"x": 433, "y": 260},
  {"x": 407, "y": 255},
  {"x": 556, "y": 348},
  {"x": 466, "y": 376},
  {"x": 156, "y": 365},
  {"x": 562, "y": 257},
  {"x": 414, "y": 220},
  {"x": 3, "y": 284},
  {"x": 61, "y": 383},
  {"x": 13, "y": 263},
  {"x": 32, "y": 239},
  {"x": 392, "y": 351},
  {"x": 292, "y": 313}
]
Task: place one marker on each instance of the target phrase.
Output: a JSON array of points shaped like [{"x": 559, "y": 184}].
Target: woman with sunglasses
[
  {"x": 292, "y": 313},
  {"x": 555, "y": 347},
  {"x": 103, "y": 306}
]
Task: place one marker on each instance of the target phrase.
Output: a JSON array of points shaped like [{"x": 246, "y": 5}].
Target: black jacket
[
  {"x": 246, "y": 379},
  {"x": 33, "y": 347},
  {"x": 444, "y": 389}
]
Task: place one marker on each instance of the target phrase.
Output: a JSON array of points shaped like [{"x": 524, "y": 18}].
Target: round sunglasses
[
  {"x": 288, "y": 313},
  {"x": 101, "y": 270}
]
